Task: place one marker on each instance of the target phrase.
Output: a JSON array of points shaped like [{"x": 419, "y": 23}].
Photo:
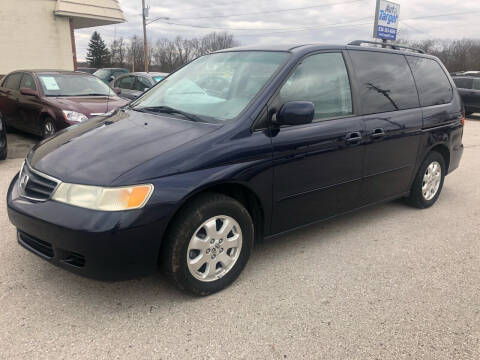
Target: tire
[
  {"x": 180, "y": 248},
  {"x": 3, "y": 140},
  {"x": 48, "y": 128},
  {"x": 417, "y": 196}
]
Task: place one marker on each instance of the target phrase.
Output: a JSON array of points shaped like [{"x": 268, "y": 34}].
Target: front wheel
[
  {"x": 208, "y": 244},
  {"x": 48, "y": 128},
  {"x": 428, "y": 182}
]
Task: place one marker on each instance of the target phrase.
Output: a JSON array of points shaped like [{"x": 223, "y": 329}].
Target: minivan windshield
[
  {"x": 73, "y": 85},
  {"x": 215, "y": 87}
]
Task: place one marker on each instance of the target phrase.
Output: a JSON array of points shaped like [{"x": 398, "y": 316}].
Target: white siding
[{"x": 31, "y": 36}]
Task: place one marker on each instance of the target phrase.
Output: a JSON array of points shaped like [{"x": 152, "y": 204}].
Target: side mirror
[
  {"x": 117, "y": 91},
  {"x": 29, "y": 92},
  {"x": 295, "y": 113},
  {"x": 112, "y": 78}
]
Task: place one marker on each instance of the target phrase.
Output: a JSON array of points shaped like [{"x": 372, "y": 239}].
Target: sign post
[{"x": 387, "y": 14}]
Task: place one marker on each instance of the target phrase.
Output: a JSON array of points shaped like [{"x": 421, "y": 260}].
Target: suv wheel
[
  {"x": 428, "y": 182},
  {"x": 48, "y": 128},
  {"x": 208, "y": 244}
]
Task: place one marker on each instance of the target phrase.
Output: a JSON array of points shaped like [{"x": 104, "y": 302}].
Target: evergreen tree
[{"x": 98, "y": 55}]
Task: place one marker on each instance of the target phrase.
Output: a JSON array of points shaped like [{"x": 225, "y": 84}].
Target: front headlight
[
  {"x": 103, "y": 198},
  {"x": 74, "y": 116}
]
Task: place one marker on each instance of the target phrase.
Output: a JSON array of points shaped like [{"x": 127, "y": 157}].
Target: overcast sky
[{"x": 287, "y": 21}]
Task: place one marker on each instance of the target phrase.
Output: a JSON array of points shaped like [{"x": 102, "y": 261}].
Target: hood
[
  {"x": 88, "y": 105},
  {"x": 99, "y": 150}
]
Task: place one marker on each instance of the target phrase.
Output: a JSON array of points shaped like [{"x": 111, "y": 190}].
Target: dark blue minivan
[{"x": 235, "y": 146}]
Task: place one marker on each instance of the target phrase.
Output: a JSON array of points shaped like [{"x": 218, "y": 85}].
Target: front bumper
[{"x": 101, "y": 245}]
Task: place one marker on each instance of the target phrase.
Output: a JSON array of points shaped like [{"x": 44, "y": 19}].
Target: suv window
[
  {"x": 323, "y": 80},
  {"x": 13, "y": 81},
  {"x": 125, "y": 82},
  {"x": 432, "y": 83},
  {"x": 385, "y": 82},
  {"x": 141, "y": 84},
  {"x": 463, "y": 83},
  {"x": 476, "y": 84},
  {"x": 28, "y": 82}
]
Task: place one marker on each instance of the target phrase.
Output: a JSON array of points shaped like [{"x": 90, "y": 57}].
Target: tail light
[{"x": 463, "y": 118}]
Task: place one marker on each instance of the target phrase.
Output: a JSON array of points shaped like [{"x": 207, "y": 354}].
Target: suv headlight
[
  {"x": 74, "y": 116},
  {"x": 103, "y": 198}
]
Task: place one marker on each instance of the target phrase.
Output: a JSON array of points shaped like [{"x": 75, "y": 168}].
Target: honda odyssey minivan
[{"x": 189, "y": 177}]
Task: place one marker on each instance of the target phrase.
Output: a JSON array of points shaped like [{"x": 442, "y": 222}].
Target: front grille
[
  {"x": 35, "y": 185},
  {"x": 40, "y": 246}
]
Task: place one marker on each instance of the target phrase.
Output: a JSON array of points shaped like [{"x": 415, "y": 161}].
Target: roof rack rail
[{"x": 392, "y": 46}]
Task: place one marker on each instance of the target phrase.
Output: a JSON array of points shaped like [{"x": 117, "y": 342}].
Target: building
[{"x": 39, "y": 34}]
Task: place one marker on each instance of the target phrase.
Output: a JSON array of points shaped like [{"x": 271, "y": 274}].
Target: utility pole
[{"x": 145, "y": 48}]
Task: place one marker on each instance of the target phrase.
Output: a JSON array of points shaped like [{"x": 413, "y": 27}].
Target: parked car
[
  {"x": 42, "y": 102},
  {"x": 3, "y": 139},
  {"x": 190, "y": 180},
  {"x": 469, "y": 89},
  {"x": 87, "y": 70},
  {"x": 132, "y": 85},
  {"x": 109, "y": 74}
]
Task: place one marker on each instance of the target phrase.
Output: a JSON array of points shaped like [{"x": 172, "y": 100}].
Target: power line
[
  {"x": 282, "y": 30},
  {"x": 261, "y": 12}
]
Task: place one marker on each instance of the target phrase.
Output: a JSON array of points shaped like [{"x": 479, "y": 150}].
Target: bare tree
[
  {"x": 118, "y": 52},
  {"x": 135, "y": 53},
  {"x": 169, "y": 55},
  {"x": 457, "y": 55}
]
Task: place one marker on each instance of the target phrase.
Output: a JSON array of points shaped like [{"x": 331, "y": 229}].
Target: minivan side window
[
  {"x": 323, "y": 80},
  {"x": 463, "y": 83},
  {"x": 385, "y": 82},
  {"x": 432, "y": 83},
  {"x": 13, "y": 81}
]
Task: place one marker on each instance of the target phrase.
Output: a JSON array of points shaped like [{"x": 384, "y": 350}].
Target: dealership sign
[{"x": 386, "y": 20}]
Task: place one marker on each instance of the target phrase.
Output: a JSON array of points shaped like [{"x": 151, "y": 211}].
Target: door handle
[
  {"x": 377, "y": 133},
  {"x": 353, "y": 137}
]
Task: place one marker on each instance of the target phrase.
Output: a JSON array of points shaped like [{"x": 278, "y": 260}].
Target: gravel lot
[{"x": 388, "y": 282}]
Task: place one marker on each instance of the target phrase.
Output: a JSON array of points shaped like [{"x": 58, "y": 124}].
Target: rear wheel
[
  {"x": 208, "y": 244},
  {"x": 48, "y": 128},
  {"x": 428, "y": 182}
]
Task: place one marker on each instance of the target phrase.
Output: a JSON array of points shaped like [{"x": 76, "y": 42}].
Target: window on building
[
  {"x": 385, "y": 82},
  {"x": 323, "y": 80},
  {"x": 432, "y": 83}
]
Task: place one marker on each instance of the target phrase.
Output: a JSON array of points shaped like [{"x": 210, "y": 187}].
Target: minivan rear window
[
  {"x": 432, "y": 83},
  {"x": 385, "y": 82}
]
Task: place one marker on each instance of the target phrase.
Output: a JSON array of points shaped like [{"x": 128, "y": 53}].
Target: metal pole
[{"x": 145, "y": 49}]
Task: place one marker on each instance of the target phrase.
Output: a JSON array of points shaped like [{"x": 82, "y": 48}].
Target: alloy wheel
[
  {"x": 431, "y": 180},
  {"x": 48, "y": 129}
]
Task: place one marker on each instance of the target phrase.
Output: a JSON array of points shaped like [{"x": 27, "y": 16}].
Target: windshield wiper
[{"x": 169, "y": 110}]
